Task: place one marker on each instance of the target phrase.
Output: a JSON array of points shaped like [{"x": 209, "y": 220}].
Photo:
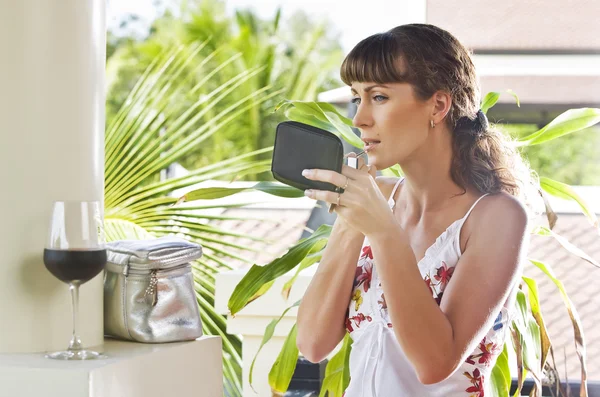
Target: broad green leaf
[
  {"x": 309, "y": 109},
  {"x": 530, "y": 335},
  {"x": 492, "y": 98},
  {"x": 327, "y": 107},
  {"x": 564, "y": 191},
  {"x": 323, "y": 114},
  {"x": 394, "y": 171},
  {"x": 257, "y": 276},
  {"x": 534, "y": 301},
  {"x": 517, "y": 341},
  {"x": 296, "y": 115},
  {"x": 337, "y": 372},
  {"x": 269, "y": 331},
  {"x": 211, "y": 193},
  {"x": 544, "y": 231},
  {"x": 283, "y": 369},
  {"x": 489, "y": 101},
  {"x": 500, "y": 376},
  {"x": 550, "y": 214},
  {"x": 570, "y": 121},
  {"x": 314, "y": 108},
  {"x": 313, "y": 257},
  {"x": 580, "y": 346},
  {"x": 344, "y": 130},
  {"x": 263, "y": 290},
  {"x": 511, "y": 92}
]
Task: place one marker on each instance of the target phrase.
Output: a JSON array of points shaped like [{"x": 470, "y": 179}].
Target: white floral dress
[{"x": 378, "y": 366}]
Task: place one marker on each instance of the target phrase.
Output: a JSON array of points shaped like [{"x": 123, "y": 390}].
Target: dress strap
[
  {"x": 473, "y": 206},
  {"x": 391, "y": 200},
  {"x": 461, "y": 222}
]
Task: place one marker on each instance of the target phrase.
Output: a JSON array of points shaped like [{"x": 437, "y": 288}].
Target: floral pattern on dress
[
  {"x": 444, "y": 274},
  {"x": 441, "y": 278},
  {"x": 358, "y": 319},
  {"x": 368, "y": 304},
  {"x": 477, "y": 383},
  {"x": 364, "y": 272},
  {"x": 488, "y": 351},
  {"x": 357, "y": 298}
]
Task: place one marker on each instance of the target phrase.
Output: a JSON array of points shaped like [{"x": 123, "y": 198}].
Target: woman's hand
[{"x": 362, "y": 205}]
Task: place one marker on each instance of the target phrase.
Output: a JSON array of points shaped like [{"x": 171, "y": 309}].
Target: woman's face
[{"x": 392, "y": 121}]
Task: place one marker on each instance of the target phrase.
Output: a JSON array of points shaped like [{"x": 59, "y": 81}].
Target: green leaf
[
  {"x": 319, "y": 114},
  {"x": 511, "y": 92},
  {"x": 122, "y": 229},
  {"x": 572, "y": 120},
  {"x": 283, "y": 369},
  {"x": 296, "y": 115},
  {"x": 269, "y": 331},
  {"x": 344, "y": 130},
  {"x": 492, "y": 98},
  {"x": 313, "y": 257},
  {"x": 257, "y": 276},
  {"x": 327, "y": 107},
  {"x": 337, "y": 373},
  {"x": 550, "y": 214},
  {"x": 211, "y": 193},
  {"x": 534, "y": 301},
  {"x": 500, "y": 376},
  {"x": 263, "y": 290},
  {"x": 393, "y": 171},
  {"x": 564, "y": 191},
  {"x": 530, "y": 335},
  {"x": 517, "y": 341},
  {"x": 575, "y": 320},
  {"x": 544, "y": 231},
  {"x": 489, "y": 101}
]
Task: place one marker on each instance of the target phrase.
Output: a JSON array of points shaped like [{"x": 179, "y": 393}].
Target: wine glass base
[{"x": 76, "y": 355}]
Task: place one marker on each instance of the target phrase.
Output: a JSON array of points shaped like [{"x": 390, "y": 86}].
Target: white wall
[{"x": 51, "y": 148}]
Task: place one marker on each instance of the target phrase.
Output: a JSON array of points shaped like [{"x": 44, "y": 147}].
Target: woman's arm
[
  {"x": 437, "y": 339},
  {"x": 321, "y": 315}
]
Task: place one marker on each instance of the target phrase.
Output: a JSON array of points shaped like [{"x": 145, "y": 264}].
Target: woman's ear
[{"x": 441, "y": 101}]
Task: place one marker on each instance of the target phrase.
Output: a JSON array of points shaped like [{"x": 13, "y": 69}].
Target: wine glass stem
[{"x": 75, "y": 341}]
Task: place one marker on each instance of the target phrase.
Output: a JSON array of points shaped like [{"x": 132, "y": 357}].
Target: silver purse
[{"x": 149, "y": 291}]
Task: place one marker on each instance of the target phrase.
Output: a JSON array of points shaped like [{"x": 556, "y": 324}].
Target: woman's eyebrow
[{"x": 369, "y": 88}]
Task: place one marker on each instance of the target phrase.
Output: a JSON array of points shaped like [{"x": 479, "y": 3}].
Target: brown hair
[{"x": 431, "y": 59}]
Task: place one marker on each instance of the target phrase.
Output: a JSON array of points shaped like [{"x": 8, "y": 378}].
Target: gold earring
[{"x": 432, "y": 123}]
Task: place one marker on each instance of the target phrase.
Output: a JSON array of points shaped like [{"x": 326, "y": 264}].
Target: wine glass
[{"x": 75, "y": 253}]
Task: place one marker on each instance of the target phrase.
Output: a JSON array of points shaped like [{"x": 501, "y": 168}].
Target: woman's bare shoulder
[
  {"x": 495, "y": 209},
  {"x": 386, "y": 184}
]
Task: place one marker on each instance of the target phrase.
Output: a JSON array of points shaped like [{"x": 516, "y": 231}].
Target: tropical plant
[
  {"x": 148, "y": 134},
  {"x": 530, "y": 338},
  {"x": 297, "y": 63}
]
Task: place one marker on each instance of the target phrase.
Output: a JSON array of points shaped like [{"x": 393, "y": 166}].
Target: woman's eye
[{"x": 376, "y": 98}]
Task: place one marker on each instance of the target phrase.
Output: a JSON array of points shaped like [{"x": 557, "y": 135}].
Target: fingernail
[
  {"x": 306, "y": 172},
  {"x": 308, "y": 193}
]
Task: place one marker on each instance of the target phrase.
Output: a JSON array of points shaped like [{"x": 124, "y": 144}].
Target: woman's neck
[{"x": 429, "y": 187}]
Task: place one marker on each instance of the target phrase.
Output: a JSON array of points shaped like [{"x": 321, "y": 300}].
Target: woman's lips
[{"x": 370, "y": 146}]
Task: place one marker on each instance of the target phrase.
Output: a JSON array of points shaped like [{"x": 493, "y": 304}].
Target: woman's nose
[{"x": 362, "y": 118}]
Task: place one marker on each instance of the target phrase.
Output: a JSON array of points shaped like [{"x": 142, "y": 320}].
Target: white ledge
[{"x": 132, "y": 370}]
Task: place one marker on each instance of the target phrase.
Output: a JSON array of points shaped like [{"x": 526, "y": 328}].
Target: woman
[{"x": 439, "y": 251}]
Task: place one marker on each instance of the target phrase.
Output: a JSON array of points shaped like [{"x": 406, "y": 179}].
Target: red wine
[{"x": 75, "y": 265}]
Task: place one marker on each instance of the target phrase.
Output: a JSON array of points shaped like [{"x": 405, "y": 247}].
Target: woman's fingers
[
  {"x": 347, "y": 175},
  {"x": 330, "y": 197},
  {"x": 332, "y": 177}
]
